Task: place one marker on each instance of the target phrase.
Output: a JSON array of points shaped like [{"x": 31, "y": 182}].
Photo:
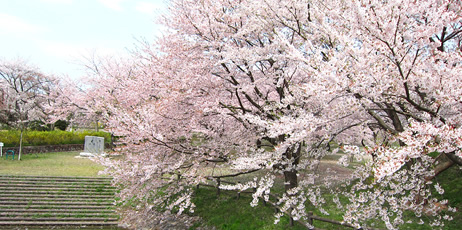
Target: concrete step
[
  {"x": 59, "y": 223},
  {"x": 57, "y": 188},
  {"x": 57, "y": 202},
  {"x": 6, "y": 211},
  {"x": 54, "y": 181},
  {"x": 18, "y": 219},
  {"x": 48, "y": 199},
  {"x": 56, "y": 196},
  {"x": 73, "y": 206},
  {"x": 55, "y": 213},
  {"x": 56, "y": 192},
  {"x": 55, "y": 185},
  {"x": 55, "y": 178},
  {"x": 54, "y": 203}
]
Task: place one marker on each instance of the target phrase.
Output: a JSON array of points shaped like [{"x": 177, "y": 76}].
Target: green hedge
[{"x": 10, "y": 138}]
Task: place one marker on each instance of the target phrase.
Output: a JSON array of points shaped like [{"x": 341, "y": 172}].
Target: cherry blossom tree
[
  {"x": 70, "y": 101},
  {"x": 270, "y": 84},
  {"x": 409, "y": 86},
  {"x": 24, "y": 94},
  {"x": 295, "y": 50}
]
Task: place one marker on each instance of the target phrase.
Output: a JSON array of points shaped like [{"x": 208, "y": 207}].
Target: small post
[
  {"x": 290, "y": 217},
  {"x": 264, "y": 201},
  {"x": 276, "y": 209},
  {"x": 1, "y": 149},
  {"x": 310, "y": 220},
  {"x": 238, "y": 192},
  {"x": 218, "y": 186}
]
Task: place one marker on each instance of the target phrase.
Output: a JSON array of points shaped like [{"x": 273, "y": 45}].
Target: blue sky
[{"x": 55, "y": 35}]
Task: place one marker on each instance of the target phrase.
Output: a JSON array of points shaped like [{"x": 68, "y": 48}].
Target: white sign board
[{"x": 93, "y": 146}]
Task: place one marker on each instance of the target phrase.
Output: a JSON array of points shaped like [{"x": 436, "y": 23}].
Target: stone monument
[{"x": 93, "y": 146}]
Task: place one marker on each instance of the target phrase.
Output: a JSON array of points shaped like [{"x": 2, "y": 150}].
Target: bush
[
  {"x": 61, "y": 124},
  {"x": 10, "y": 138},
  {"x": 38, "y": 126}
]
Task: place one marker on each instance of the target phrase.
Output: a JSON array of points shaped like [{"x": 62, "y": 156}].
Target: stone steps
[
  {"x": 56, "y": 202},
  {"x": 52, "y": 192},
  {"x": 59, "y": 223},
  {"x": 32, "y": 195},
  {"x": 56, "y": 219},
  {"x": 58, "y": 212},
  {"x": 46, "y": 198}
]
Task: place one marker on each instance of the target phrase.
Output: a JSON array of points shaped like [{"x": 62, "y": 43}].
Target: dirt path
[{"x": 332, "y": 169}]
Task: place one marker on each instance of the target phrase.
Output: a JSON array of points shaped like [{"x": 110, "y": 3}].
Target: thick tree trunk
[
  {"x": 440, "y": 168},
  {"x": 290, "y": 173},
  {"x": 452, "y": 159},
  {"x": 394, "y": 117},
  {"x": 290, "y": 179},
  {"x": 96, "y": 127}
]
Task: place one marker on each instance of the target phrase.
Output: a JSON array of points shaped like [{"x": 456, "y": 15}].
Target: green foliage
[
  {"x": 39, "y": 126},
  {"x": 61, "y": 125},
  {"x": 10, "y": 138}
]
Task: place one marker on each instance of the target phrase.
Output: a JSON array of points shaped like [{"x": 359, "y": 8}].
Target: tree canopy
[
  {"x": 24, "y": 92},
  {"x": 269, "y": 85}
]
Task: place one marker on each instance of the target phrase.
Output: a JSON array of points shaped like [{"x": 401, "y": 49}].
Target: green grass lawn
[{"x": 50, "y": 164}]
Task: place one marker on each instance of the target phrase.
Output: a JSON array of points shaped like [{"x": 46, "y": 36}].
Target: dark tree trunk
[
  {"x": 290, "y": 179},
  {"x": 394, "y": 117},
  {"x": 290, "y": 173}
]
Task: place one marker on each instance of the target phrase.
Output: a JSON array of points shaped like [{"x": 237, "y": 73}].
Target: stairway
[{"x": 56, "y": 202}]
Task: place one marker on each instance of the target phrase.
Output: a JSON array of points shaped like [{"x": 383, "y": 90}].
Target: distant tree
[
  {"x": 75, "y": 102},
  {"x": 24, "y": 90},
  {"x": 38, "y": 125},
  {"x": 61, "y": 124}
]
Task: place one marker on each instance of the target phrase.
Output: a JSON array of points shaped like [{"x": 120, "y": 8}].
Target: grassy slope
[
  {"x": 50, "y": 164},
  {"x": 226, "y": 212}
]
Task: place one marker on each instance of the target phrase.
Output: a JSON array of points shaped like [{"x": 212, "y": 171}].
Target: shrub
[
  {"x": 61, "y": 125},
  {"x": 10, "y": 138},
  {"x": 39, "y": 126}
]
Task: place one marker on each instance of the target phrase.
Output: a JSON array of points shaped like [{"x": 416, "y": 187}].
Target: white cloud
[
  {"x": 69, "y": 58},
  {"x": 113, "y": 4},
  {"x": 14, "y": 25},
  {"x": 147, "y": 7}
]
